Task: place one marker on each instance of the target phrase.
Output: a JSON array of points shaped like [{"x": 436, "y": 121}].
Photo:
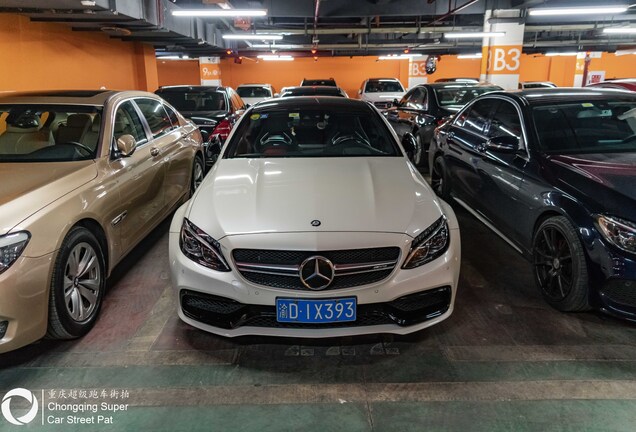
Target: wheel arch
[{"x": 96, "y": 229}]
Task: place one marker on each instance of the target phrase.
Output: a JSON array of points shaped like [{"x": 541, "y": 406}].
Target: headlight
[
  {"x": 430, "y": 244},
  {"x": 11, "y": 247},
  {"x": 619, "y": 232},
  {"x": 201, "y": 248}
]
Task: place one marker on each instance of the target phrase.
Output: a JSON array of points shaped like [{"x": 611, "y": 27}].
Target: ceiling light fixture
[
  {"x": 620, "y": 30},
  {"x": 473, "y": 35},
  {"x": 398, "y": 56},
  {"x": 251, "y": 36},
  {"x": 561, "y": 54},
  {"x": 219, "y": 13},
  {"x": 276, "y": 57},
  {"x": 469, "y": 56},
  {"x": 591, "y": 10},
  {"x": 173, "y": 57}
]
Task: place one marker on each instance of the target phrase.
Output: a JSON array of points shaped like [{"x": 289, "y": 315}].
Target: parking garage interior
[{"x": 503, "y": 360}]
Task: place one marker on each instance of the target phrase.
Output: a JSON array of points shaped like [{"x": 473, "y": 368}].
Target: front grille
[
  {"x": 280, "y": 269},
  {"x": 229, "y": 314},
  {"x": 353, "y": 256},
  {"x": 620, "y": 291}
]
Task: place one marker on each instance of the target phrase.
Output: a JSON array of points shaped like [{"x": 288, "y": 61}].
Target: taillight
[
  {"x": 223, "y": 129},
  {"x": 442, "y": 121}
]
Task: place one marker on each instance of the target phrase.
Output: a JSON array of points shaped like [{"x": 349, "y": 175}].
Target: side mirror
[
  {"x": 503, "y": 144},
  {"x": 126, "y": 144},
  {"x": 214, "y": 148},
  {"x": 205, "y": 135},
  {"x": 410, "y": 146}
]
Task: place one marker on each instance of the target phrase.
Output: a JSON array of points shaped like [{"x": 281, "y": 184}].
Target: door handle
[{"x": 154, "y": 151}]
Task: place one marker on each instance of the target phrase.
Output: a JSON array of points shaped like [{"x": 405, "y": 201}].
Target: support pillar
[{"x": 501, "y": 56}]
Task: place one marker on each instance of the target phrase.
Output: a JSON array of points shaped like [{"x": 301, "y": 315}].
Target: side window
[
  {"x": 155, "y": 115},
  {"x": 127, "y": 122},
  {"x": 505, "y": 122},
  {"x": 407, "y": 96},
  {"x": 415, "y": 99},
  {"x": 475, "y": 118},
  {"x": 172, "y": 115}
]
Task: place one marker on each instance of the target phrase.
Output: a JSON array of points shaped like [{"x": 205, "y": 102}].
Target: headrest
[
  {"x": 24, "y": 120},
  {"x": 78, "y": 120},
  {"x": 97, "y": 123}
]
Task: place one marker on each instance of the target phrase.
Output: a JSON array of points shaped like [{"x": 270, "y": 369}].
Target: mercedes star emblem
[
  {"x": 316, "y": 273},
  {"x": 315, "y": 223}
]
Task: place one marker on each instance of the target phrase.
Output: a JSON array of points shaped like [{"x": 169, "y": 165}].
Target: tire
[
  {"x": 423, "y": 145},
  {"x": 559, "y": 265},
  {"x": 198, "y": 173},
  {"x": 439, "y": 178},
  {"x": 420, "y": 151},
  {"x": 77, "y": 286}
]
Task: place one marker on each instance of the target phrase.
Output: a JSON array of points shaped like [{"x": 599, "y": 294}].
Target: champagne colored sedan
[{"x": 85, "y": 176}]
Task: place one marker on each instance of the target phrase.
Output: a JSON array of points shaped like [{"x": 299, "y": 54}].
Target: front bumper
[
  {"x": 24, "y": 301},
  {"x": 617, "y": 292},
  {"x": 237, "y": 307}
]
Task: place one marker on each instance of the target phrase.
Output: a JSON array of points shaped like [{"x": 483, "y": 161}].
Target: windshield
[
  {"x": 254, "y": 92},
  {"x": 48, "y": 133},
  {"x": 195, "y": 100},
  {"x": 460, "y": 95},
  {"x": 587, "y": 126},
  {"x": 383, "y": 86},
  {"x": 312, "y": 133}
]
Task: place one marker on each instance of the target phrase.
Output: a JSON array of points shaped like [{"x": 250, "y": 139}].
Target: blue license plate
[{"x": 316, "y": 311}]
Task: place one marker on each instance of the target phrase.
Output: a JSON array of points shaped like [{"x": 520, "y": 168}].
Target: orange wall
[
  {"x": 349, "y": 73},
  {"x": 38, "y": 56},
  {"x": 175, "y": 72}
]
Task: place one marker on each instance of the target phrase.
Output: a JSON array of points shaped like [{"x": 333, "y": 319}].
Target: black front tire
[
  {"x": 560, "y": 266},
  {"x": 77, "y": 285}
]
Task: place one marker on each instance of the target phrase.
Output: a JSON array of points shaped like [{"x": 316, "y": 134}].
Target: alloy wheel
[
  {"x": 553, "y": 263},
  {"x": 82, "y": 282},
  {"x": 197, "y": 174}
]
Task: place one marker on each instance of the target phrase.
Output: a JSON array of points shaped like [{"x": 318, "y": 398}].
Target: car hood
[
  {"x": 29, "y": 187},
  {"x": 254, "y": 100},
  {"x": 606, "y": 181},
  {"x": 382, "y": 96},
  {"x": 346, "y": 194}
]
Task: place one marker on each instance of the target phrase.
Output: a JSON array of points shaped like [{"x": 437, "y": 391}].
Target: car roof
[
  {"x": 199, "y": 88},
  {"x": 452, "y": 84},
  {"x": 562, "y": 94},
  {"x": 255, "y": 85},
  {"x": 310, "y": 89},
  {"x": 307, "y": 102},
  {"x": 383, "y": 79},
  {"x": 68, "y": 97}
]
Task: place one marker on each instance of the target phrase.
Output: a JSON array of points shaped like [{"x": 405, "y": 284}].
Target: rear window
[
  {"x": 383, "y": 86},
  {"x": 312, "y": 133},
  {"x": 195, "y": 100},
  {"x": 254, "y": 92},
  {"x": 319, "y": 82},
  {"x": 586, "y": 126},
  {"x": 459, "y": 95}
]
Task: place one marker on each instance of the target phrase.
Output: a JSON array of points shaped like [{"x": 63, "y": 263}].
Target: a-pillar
[
  {"x": 210, "y": 70},
  {"x": 501, "y": 56}
]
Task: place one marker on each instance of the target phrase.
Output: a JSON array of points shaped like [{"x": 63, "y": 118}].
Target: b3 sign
[{"x": 504, "y": 59}]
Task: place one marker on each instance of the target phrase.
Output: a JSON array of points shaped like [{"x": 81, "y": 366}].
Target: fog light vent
[{"x": 3, "y": 328}]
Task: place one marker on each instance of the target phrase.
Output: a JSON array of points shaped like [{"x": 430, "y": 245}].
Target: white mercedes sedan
[{"x": 314, "y": 223}]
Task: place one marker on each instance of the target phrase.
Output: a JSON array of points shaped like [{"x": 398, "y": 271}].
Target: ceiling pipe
[{"x": 452, "y": 12}]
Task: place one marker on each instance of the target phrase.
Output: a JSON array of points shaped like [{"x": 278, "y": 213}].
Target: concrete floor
[{"x": 503, "y": 361}]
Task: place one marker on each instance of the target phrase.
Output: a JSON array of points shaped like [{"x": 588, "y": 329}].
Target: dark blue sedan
[{"x": 553, "y": 172}]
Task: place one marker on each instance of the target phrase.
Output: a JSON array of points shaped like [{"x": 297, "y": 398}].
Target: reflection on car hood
[
  {"x": 29, "y": 187},
  {"x": 608, "y": 179},
  {"x": 201, "y": 117},
  {"x": 373, "y": 194}
]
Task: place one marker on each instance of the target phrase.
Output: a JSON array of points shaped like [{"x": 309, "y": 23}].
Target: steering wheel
[
  {"x": 81, "y": 146},
  {"x": 351, "y": 145},
  {"x": 275, "y": 139}
]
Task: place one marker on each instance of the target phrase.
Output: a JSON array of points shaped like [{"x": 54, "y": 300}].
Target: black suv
[{"x": 214, "y": 109}]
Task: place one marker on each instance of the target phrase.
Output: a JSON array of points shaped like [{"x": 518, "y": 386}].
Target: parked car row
[{"x": 88, "y": 174}]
